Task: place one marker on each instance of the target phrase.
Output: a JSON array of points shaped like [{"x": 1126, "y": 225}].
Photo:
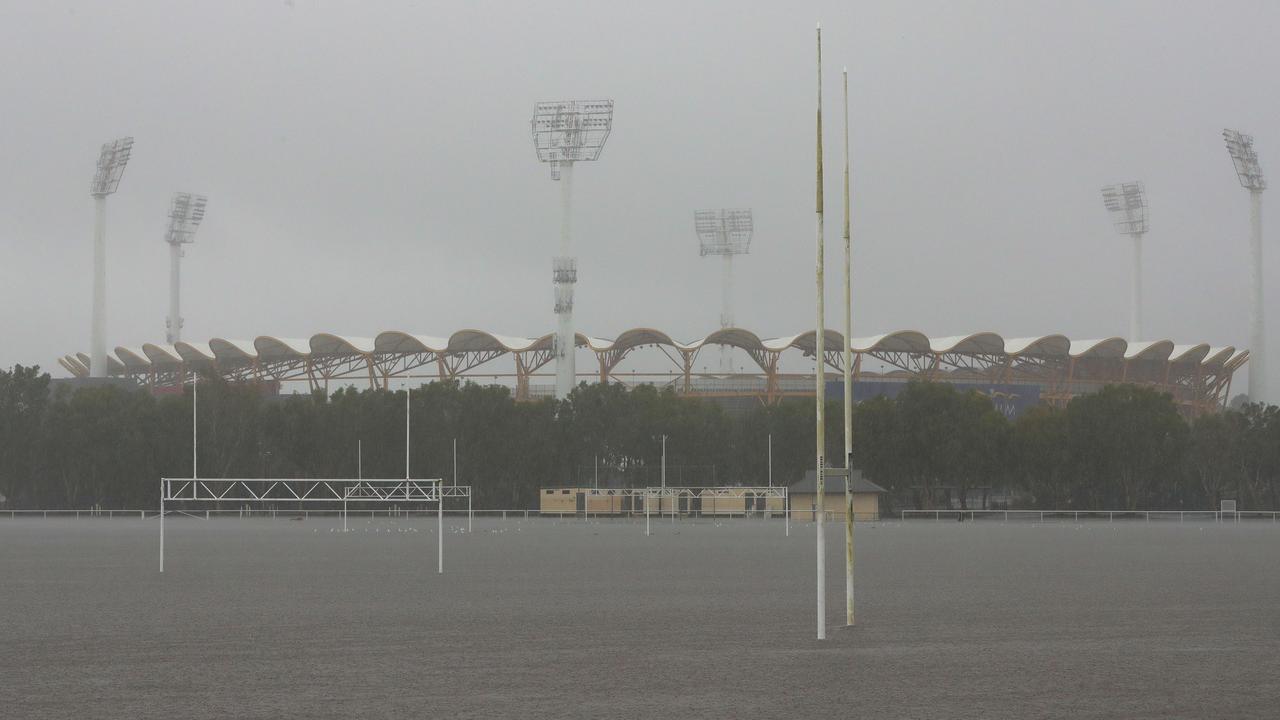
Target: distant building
[
  {"x": 723, "y": 501},
  {"x": 804, "y": 497}
]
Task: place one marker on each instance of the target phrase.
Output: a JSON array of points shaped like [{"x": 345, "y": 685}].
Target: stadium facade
[{"x": 1015, "y": 372}]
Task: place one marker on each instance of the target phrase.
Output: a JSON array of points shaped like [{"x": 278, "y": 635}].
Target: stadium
[{"x": 1015, "y": 372}]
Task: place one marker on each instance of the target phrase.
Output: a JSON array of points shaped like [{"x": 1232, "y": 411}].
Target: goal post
[{"x": 310, "y": 490}]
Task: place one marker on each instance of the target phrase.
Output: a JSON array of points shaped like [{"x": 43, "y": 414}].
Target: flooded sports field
[{"x": 270, "y": 618}]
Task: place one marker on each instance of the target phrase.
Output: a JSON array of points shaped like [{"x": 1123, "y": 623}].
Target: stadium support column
[
  {"x": 1135, "y": 292},
  {"x": 175, "y": 294},
  {"x": 725, "y": 232},
  {"x": 111, "y": 163},
  {"x": 1249, "y": 171},
  {"x": 726, "y": 312},
  {"x": 98, "y": 332},
  {"x": 565, "y": 276},
  {"x": 820, "y": 406},
  {"x": 1257, "y": 333},
  {"x": 1127, "y": 203}
]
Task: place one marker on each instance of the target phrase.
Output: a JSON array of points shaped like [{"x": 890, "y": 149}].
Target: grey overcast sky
[{"x": 369, "y": 165}]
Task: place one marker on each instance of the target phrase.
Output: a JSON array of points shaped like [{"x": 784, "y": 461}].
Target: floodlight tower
[
  {"x": 566, "y": 132},
  {"x": 185, "y": 213},
  {"x": 725, "y": 233},
  {"x": 1127, "y": 203},
  {"x": 1249, "y": 171},
  {"x": 111, "y": 162}
]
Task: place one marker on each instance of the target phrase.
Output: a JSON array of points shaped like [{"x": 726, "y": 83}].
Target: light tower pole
[
  {"x": 1249, "y": 171},
  {"x": 1127, "y": 203},
  {"x": 566, "y": 132},
  {"x": 186, "y": 211},
  {"x": 111, "y": 162},
  {"x": 725, "y": 233}
]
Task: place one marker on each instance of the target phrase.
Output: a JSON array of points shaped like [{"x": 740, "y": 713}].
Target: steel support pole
[
  {"x": 195, "y": 436},
  {"x": 726, "y": 310},
  {"x": 1257, "y": 331},
  {"x": 174, "y": 330},
  {"x": 820, "y": 385},
  {"x": 162, "y": 525},
  {"x": 407, "y": 392},
  {"x": 646, "y": 514},
  {"x": 848, "y": 385},
  {"x": 440, "y": 528},
  {"x": 1135, "y": 292},
  {"x": 98, "y": 330},
  {"x": 566, "y": 372}
]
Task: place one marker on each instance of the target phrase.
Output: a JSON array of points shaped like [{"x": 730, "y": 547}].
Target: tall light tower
[
  {"x": 725, "y": 233},
  {"x": 1251, "y": 178},
  {"x": 566, "y": 132},
  {"x": 185, "y": 213},
  {"x": 1127, "y": 203},
  {"x": 111, "y": 162}
]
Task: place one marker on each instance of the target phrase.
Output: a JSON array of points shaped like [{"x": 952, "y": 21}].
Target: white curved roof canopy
[
  {"x": 986, "y": 343},
  {"x": 273, "y": 348},
  {"x": 1108, "y": 348},
  {"x": 326, "y": 344},
  {"x": 240, "y": 352},
  {"x": 1044, "y": 346}
]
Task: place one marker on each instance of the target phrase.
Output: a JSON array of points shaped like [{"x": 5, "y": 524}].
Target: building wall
[
  {"x": 558, "y": 500},
  {"x": 565, "y": 500},
  {"x": 866, "y": 506}
]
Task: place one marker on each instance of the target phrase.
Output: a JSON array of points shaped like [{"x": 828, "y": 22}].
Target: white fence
[
  {"x": 393, "y": 511},
  {"x": 1216, "y": 516},
  {"x": 805, "y": 515}
]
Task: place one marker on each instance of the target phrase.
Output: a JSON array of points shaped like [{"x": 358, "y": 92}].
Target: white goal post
[{"x": 308, "y": 490}]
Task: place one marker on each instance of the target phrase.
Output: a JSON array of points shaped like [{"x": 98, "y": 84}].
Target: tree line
[{"x": 931, "y": 446}]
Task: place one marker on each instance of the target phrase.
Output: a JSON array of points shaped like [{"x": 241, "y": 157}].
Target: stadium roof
[{"x": 267, "y": 348}]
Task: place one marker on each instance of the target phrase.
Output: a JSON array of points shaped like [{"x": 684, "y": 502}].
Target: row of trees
[{"x": 931, "y": 446}]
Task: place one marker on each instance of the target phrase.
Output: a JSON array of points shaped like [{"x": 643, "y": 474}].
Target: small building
[
  {"x": 804, "y": 497},
  {"x": 595, "y": 501},
  {"x": 724, "y": 501}
]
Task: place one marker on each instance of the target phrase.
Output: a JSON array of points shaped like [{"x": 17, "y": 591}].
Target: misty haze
[{"x": 458, "y": 359}]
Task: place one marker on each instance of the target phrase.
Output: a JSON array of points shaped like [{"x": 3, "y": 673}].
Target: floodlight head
[
  {"x": 1127, "y": 203},
  {"x": 724, "y": 232},
  {"x": 111, "y": 162},
  {"x": 185, "y": 213},
  {"x": 569, "y": 131},
  {"x": 1245, "y": 159}
]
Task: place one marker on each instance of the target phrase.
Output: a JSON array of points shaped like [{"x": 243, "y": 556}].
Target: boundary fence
[{"x": 1216, "y": 516}]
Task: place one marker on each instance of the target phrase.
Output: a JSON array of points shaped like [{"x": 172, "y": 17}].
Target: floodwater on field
[{"x": 270, "y": 618}]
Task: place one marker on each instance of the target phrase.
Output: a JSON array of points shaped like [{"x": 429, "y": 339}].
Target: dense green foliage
[{"x": 1124, "y": 447}]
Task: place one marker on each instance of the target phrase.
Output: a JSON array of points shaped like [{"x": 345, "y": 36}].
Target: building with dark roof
[{"x": 803, "y": 496}]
